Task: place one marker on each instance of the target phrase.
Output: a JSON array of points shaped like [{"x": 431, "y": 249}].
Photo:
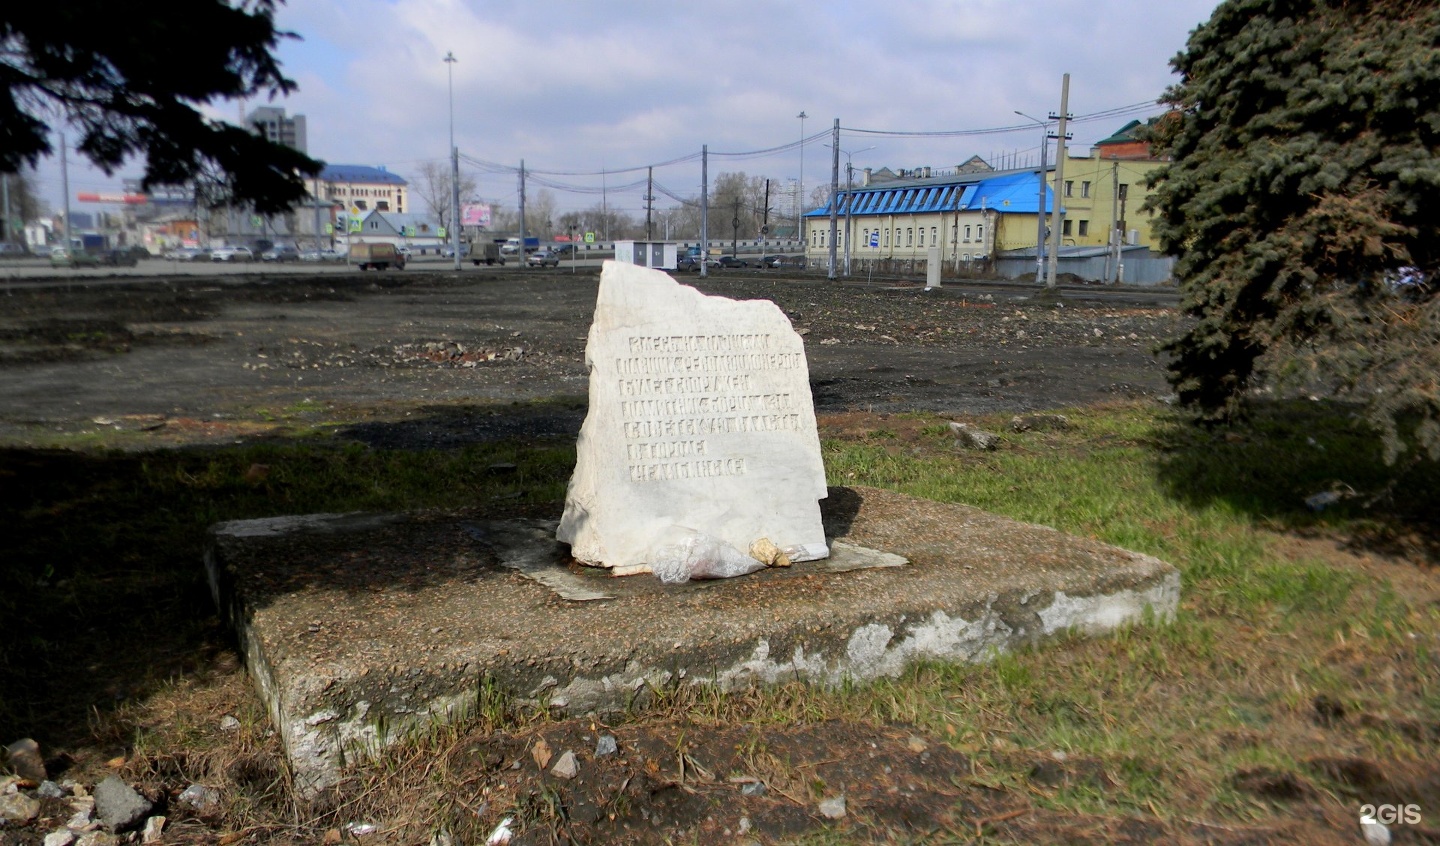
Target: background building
[{"x": 274, "y": 126}]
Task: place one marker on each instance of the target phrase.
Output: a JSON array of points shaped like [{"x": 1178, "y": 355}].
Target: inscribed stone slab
[{"x": 700, "y": 422}]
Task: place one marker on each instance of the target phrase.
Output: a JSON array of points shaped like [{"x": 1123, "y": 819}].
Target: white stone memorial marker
[{"x": 700, "y": 428}]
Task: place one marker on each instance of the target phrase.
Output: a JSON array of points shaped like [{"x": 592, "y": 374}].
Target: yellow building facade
[{"x": 1107, "y": 189}]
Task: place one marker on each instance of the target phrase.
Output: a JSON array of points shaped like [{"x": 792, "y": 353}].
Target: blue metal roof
[
  {"x": 1010, "y": 193},
  {"x": 360, "y": 173}
]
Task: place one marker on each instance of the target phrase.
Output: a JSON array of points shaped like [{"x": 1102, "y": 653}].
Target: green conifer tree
[
  {"x": 1303, "y": 201},
  {"x": 131, "y": 76}
]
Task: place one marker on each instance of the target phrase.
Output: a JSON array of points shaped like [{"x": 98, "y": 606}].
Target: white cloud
[{"x": 580, "y": 85}]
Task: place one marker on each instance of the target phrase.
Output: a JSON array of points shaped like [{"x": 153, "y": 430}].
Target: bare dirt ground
[{"x": 211, "y": 355}]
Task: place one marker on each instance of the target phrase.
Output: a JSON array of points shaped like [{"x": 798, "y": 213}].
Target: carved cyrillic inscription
[{"x": 716, "y": 399}]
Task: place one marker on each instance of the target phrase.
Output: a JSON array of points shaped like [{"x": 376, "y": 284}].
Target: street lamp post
[
  {"x": 800, "y": 191},
  {"x": 450, "y": 61},
  {"x": 849, "y": 174},
  {"x": 1040, "y": 207}
]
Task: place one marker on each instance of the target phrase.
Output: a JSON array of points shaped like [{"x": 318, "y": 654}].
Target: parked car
[
  {"x": 448, "y": 251},
  {"x": 117, "y": 258},
  {"x": 280, "y": 253},
  {"x": 61, "y": 257},
  {"x": 232, "y": 254},
  {"x": 732, "y": 261},
  {"x": 772, "y": 261},
  {"x": 542, "y": 258},
  {"x": 563, "y": 250},
  {"x": 322, "y": 255},
  {"x": 10, "y": 250},
  {"x": 692, "y": 263}
]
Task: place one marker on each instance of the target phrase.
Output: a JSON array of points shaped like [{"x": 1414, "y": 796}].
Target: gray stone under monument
[{"x": 359, "y": 628}]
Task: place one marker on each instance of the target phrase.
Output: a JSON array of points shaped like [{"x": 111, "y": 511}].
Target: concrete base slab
[{"x": 359, "y": 628}]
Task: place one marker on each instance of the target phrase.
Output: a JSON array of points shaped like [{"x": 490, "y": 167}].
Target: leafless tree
[{"x": 434, "y": 189}]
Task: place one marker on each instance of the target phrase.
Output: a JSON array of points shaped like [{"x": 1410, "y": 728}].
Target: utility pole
[
  {"x": 735, "y": 228},
  {"x": 1057, "y": 214},
  {"x": 65, "y": 186},
  {"x": 849, "y": 187},
  {"x": 1040, "y": 208},
  {"x": 649, "y": 200},
  {"x": 834, "y": 192},
  {"x": 704, "y": 208},
  {"x": 1115, "y": 235},
  {"x": 520, "y": 254},
  {"x": 1119, "y": 254},
  {"x": 450, "y": 61},
  {"x": 764, "y": 223},
  {"x": 800, "y": 189}
]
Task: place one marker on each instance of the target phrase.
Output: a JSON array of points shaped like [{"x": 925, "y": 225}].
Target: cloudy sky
[{"x": 580, "y": 88}]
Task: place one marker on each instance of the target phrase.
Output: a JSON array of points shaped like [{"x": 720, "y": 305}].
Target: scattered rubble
[{"x": 968, "y": 437}]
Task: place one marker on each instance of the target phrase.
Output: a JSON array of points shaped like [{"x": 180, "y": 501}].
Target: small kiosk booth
[{"x": 657, "y": 254}]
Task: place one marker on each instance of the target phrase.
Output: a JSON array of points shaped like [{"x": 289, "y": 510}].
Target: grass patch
[{"x": 1302, "y": 635}]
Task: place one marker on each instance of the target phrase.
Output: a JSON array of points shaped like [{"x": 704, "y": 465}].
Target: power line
[{"x": 1120, "y": 111}]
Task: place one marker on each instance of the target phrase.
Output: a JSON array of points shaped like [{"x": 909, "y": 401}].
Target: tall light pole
[
  {"x": 450, "y": 61},
  {"x": 849, "y": 201},
  {"x": 1040, "y": 208},
  {"x": 800, "y": 192},
  {"x": 1057, "y": 214}
]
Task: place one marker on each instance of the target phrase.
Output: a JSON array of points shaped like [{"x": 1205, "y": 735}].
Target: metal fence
[{"x": 1152, "y": 270}]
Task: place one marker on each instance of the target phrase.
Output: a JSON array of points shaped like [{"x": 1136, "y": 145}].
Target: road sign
[
  {"x": 874, "y": 239},
  {"x": 589, "y": 237},
  {"x": 329, "y": 229},
  {"x": 441, "y": 232},
  {"x": 764, "y": 230}
]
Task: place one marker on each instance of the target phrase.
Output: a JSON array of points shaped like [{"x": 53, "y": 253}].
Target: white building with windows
[
  {"x": 360, "y": 188},
  {"x": 971, "y": 215}
]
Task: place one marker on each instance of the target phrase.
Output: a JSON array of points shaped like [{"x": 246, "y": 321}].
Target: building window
[
  {"x": 922, "y": 237},
  {"x": 909, "y": 236},
  {"x": 1065, "y": 228},
  {"x": 1084, "y": 190},
  {"x": 360, "y": 204},
  {"x": 934, "y": 239},
  {"x": 1084, "y": 227},
  {"x": 1069, "y": 188},
  {"x": 980, "y": 233},
  {"x": 967, "y": 234},
  {"x": 382, "y": 205}
]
